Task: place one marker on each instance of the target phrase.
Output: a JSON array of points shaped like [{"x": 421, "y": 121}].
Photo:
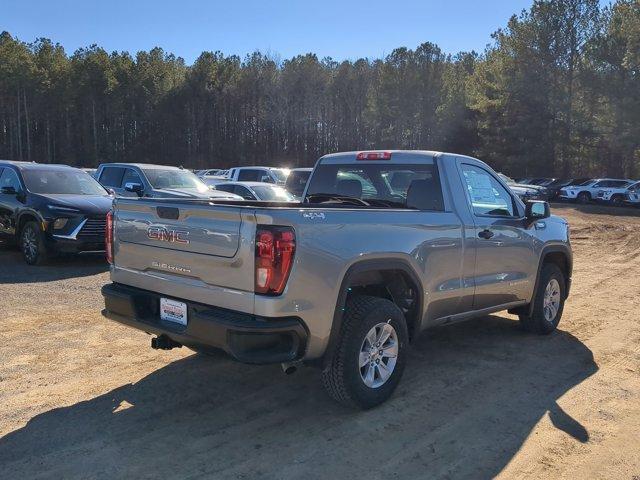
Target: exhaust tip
[{"x": 289, "y": 368}]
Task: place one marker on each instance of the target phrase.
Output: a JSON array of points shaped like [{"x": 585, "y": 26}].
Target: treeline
[{"x": 557, "y": 92}]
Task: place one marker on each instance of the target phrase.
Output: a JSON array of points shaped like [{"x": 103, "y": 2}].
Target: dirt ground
[{"x": 82, "y": 397}]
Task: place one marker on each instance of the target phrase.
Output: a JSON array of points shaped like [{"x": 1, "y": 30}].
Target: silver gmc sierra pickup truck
[{"x": 383, "y": 245}]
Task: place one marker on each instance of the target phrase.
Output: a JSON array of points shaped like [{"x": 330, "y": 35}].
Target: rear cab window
[
  {"x": 381, "y": 184},
  {"x": 250, "y": 175}
]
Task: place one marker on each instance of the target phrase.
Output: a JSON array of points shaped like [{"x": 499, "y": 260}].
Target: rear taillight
[
  {"x": 108, "y": 237},
  {"x": 373, "y": 156},
  {"x": 275, "y": 247}
]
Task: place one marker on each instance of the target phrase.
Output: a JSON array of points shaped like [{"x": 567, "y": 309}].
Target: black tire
[
  {"x": 537, "y": 322},
  {"x": 583, "y": 197},
  {"x": 617, "y": 200},
  {"x": 342, "y": 376},
  {"x": 32, "y": 245}
]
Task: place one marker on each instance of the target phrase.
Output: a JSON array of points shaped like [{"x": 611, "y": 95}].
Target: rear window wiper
[{"x": 333, "y": 198}]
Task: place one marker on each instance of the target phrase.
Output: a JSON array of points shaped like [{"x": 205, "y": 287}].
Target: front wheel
[
  {"x": 584, "y": 197},
  {"x": 34, "y": 250},
  {"x": 548, "y": 302},
  {"x": 369, "y": 359}
]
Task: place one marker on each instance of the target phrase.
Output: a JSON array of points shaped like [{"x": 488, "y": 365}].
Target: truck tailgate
[{"x": 192, "y": 250}]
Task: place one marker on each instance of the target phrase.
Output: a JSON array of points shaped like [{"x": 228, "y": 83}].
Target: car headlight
[{"x": 59, "y": 223}]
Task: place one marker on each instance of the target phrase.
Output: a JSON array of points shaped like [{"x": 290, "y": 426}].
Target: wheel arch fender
[
  {"x": 369, "y": 270},
  {"x": 24, "y": 216},
  {"x": 561, "y": 255}
]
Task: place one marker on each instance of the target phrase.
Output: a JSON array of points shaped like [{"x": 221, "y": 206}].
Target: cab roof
[
  {"x": 35, "y": 166},
  {"x": 147, "y": 166}
]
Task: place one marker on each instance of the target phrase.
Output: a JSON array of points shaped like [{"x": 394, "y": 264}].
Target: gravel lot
[{"x": 82, "y": 397}]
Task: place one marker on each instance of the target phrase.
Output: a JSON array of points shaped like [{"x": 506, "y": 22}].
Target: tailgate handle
[{"x": 168, "y": 213}]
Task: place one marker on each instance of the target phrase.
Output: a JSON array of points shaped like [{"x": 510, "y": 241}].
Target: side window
[
  {"x": 244, "y": 192},
  {"x": 131, "y": 176},
  {"x": 487, "y": 195},
  {"x": 8, "y": 178},
  {"x": 249, "y": 175},
  {"x": 111, "y": 176}
]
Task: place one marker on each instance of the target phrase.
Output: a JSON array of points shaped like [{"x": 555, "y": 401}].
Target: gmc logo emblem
[{"x": 168, "y": 235}]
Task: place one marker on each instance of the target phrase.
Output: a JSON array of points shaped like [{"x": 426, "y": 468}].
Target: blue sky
[{"x": 339, "y": 29}]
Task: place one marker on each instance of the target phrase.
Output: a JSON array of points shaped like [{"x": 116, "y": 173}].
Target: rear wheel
[
  {"x": 34, "y": 250},
  {"x": 548, "y": 303},
  {"x": 370, "y": 357},
  {"x": 617, "y": 200},
  {"x": 584, "y": 197}
]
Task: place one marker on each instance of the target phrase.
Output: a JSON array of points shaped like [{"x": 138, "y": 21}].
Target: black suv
[{"x": 49, "y": 209}]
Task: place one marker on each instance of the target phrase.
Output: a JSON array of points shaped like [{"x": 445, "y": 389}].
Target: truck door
[{"x": 506, "y": 265}]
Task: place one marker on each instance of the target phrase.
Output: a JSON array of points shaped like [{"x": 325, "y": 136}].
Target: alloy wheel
[
  {"x": 29, "y": 244},
  {"x": 551, "y": 302},
  {"x": 378, "y": 355}
]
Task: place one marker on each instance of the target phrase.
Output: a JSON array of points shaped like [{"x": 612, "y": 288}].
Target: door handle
[{"x": 486, "y": 234}]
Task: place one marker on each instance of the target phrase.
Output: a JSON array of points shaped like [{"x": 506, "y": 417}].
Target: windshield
[
  {"x": 394, "y": 186},
  {"x": 297, "y": 180},
  {"x": 167, "y": 179},
  {"x": 60, "y": 182},
  {"x": 281, "y": 173},
  {"x": 273, "y": 194}
]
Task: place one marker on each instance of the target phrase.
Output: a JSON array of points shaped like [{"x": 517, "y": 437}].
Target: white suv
[
  {"x": 633, "y": 195},
  {"x": 616, "y": 195},
  {"x": 589, "y": 190}
]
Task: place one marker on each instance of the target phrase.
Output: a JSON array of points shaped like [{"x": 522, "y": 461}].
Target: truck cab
[{"x": 258, "y": 174}]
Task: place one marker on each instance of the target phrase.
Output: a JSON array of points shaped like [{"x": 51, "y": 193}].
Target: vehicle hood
[
  {"x": 179, "y": 193},
  {"x": 190, "y": 193},
  {"x": 88, "y": 204},
  {"x": 522, "y": 189},
  {"x": 538, "y": 188}
]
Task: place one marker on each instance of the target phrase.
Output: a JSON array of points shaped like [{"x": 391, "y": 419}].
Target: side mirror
[
  {"x": 136, "y": 188},
  {"x": 267, "y": 179},
  {"x": 537, "y": 210},
  {"x": 9, "y": 191}
]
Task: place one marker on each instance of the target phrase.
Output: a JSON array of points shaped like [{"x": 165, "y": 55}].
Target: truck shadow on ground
[
  {"x": 15, "y": 270},
  {"x": 471, "y": 395}
]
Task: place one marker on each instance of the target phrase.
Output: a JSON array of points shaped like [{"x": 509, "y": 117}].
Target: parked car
[
  {"x": 616, "y": 195},
  {"x": 588, "y": 191},
  {"x": 346, "y": 279},
  {"x": 213, "y": 180},
  {"x": 555, "y": 186},
  {"x": 51, "y": 209},
  {"x": 90, "y": 171},
  {"x": 160, "y": 181},
  {"x": 633, "y": 195},
  {"x": 258, "y": 174},
  {"x": 297, "y": 180},
  {"x": 257, "y": 191},
  {"x": 525, "y": 191},
  {"x": 212, "y": 171}
]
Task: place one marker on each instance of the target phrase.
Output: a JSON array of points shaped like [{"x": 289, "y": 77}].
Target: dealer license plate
[{"x": 173, "y": 311}]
